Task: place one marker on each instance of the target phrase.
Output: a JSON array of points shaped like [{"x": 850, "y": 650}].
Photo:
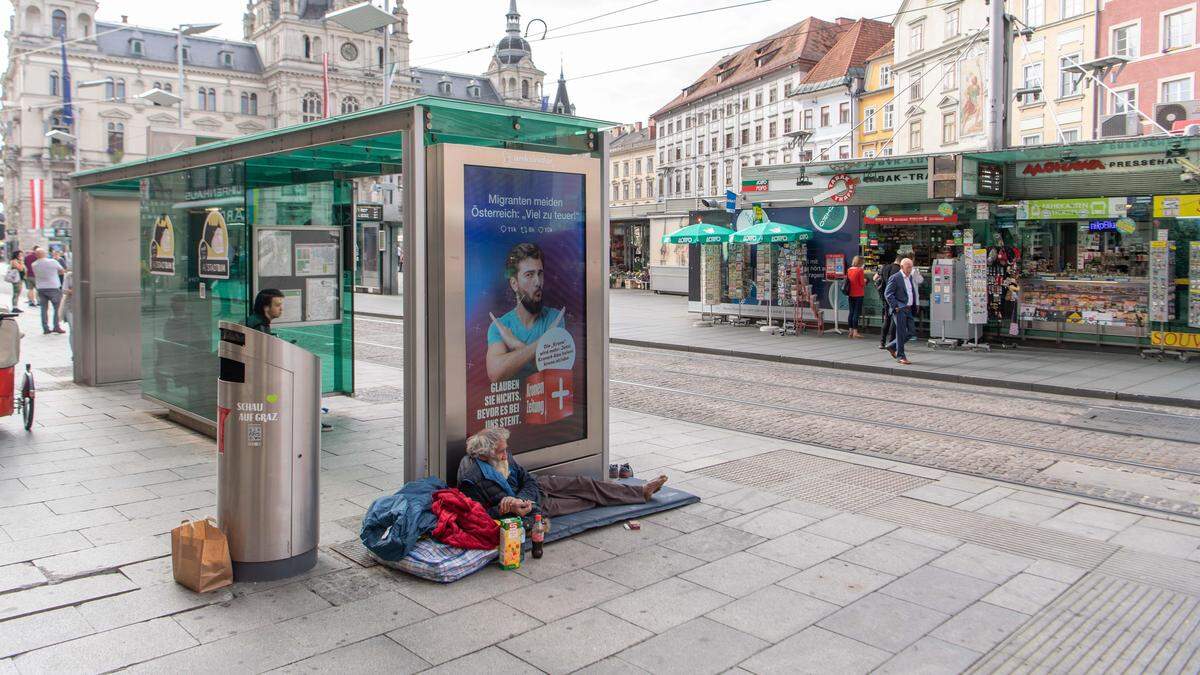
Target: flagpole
[{"x": 325, "y": 83}]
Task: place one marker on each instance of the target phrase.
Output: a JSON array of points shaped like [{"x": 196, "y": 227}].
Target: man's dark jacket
[{"x": 475, "y": 485}]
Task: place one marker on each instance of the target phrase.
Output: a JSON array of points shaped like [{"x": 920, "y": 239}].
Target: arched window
[
  {"x": 245, "y": 103},
  {"x": 110, "y": 88},
  {"x": 201, "y": 99},
  {"x": 85, "y": 25},
  {"x": 307, "y": 47},
  {"x": 311, "y": 107},
  {"x": 120, "y": 90},
  {"x": 116, "y": 140},
  {"x": 253, "y": 104},
  {"x": 166, "y": 87},
  {"x": 33, "y": 20},
  {"x": 511, "y": 89},
  {"x": 54, "y": 81},
  {"x": 58, "y": 23},
  {"x": 212, "y": 98},
  {"x": 349, "y": 105},
  {"x": 316, "y": 48},
  {"x": 379, "y": 54},
  {"x": 524, "y": 88}
]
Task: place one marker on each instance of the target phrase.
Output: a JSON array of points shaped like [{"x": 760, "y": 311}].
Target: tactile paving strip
[
  {"x": 1170, "y": 573},
  {"x": 356, "y": 552},
  {"x": 1007, "y": 535},
  {"x": 820, "y": 480},
  {"x": 1104, "y": 624}
]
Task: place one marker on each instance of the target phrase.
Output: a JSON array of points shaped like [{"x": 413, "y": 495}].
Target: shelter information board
[
  {"x": 305, "y": 264},
  {"x": 526, "y": 304}
]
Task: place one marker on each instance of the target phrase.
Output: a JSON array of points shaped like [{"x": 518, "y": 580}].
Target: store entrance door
[{"x": 368, "y": 256}]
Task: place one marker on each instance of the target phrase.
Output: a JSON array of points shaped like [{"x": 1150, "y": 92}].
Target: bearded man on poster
[{"x": 513, "y": 337}]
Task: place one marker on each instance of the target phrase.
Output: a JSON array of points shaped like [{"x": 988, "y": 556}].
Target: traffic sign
[{"x": 730, "y": 201}]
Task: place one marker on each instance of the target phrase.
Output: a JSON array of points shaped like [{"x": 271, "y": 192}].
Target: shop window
[
  {"x": 1124, "y": 100},
  {"x": 58, "y": 23},
  {"x": 1035, "y": 12},
  {"x": 844, "y": 113},
  {"x": 1125, "y": 40},
  {"x": 869, "y": 120},
  {"x": 885, "y": 76},
  {"x": 949, "y": 128},
  {"x": 1179, "y": 29},
  {"x": 951, "y": 23},
  {"x": 914, "y": 135},
  {"x": 1069, "y": 82},
  {"x": 1031, "y": 74},
  {"x": 1179, "y": 89}
]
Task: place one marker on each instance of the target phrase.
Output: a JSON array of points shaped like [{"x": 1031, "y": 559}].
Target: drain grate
[
  {"x": 1167, "y": 426},
  {"x": 355, "y": 552},
  {"x": 820, "y": 480},
  {"x": 1104, "y": 624}
]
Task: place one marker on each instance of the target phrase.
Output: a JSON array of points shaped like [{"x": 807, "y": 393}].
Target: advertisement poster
[
  {"x": 525, "y": 297},
  {"x": 213, "y": 251},
  {"x": 974, "y": 91},
  {"x": 162, "y": 248},
  {"x": 835, "y": 232}
]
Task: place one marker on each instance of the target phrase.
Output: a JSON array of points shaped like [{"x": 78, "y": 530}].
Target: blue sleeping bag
[{"x": 394, "y": 523}]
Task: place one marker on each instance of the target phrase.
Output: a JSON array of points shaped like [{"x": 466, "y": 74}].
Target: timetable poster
[{"x": 525, "y": 304}]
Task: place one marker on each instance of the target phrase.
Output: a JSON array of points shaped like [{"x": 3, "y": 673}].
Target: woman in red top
[{"x": 856, "y": 284}]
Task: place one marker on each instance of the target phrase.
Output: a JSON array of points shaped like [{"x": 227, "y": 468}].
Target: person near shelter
[
  {"x": 492, "y": 477},
  {"x": 268, "y": 306},
  {"x": 30, "y": 284},
  {"x": 856, "y": 287},
  {"x": 47, "y": 274},
  {"x": 902, "y": 297},
  {"x": 16, "y": 277},
  {"x": 885, "y": 272},
  {"x": 512, "y": 339}
]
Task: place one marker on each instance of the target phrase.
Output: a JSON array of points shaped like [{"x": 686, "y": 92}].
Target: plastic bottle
[{"x": 538, "y": 535}]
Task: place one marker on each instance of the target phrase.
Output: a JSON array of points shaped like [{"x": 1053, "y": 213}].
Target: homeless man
[{"x": 490, "y": 476}]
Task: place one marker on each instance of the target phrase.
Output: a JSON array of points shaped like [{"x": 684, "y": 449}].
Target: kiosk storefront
[{"x": 173, "y": 245}]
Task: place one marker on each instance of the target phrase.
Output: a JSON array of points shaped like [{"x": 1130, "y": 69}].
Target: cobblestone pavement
[{"x": 797, "y": 559}]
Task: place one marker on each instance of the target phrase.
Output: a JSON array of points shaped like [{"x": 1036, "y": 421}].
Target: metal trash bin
[{"x": 268, "y": 453}]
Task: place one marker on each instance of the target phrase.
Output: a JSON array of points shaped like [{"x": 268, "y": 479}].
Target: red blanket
[{"x": 463, "y": 522}]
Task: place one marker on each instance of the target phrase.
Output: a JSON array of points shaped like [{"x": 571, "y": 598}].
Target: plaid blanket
[{"x": 430, "y": 559}]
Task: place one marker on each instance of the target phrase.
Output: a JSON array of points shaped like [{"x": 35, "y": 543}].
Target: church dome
[{"x": 512, "y": 48}]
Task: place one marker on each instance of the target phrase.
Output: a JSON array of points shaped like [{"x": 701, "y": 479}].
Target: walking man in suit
[{"x": 902, "y": 299}]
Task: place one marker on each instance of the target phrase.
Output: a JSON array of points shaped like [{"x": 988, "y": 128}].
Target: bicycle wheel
[{"x": 27, "y": 397}]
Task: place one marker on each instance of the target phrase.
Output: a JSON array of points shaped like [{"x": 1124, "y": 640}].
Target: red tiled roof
[
  {"x": 806, "y": 41},
  {"x": 887, "y": 49},
  {"x": 863, "y": 38}
]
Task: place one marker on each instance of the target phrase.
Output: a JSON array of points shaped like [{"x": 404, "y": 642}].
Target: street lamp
[
  {"x": 180, "y": 31},
  {"x": 367, "y": 18}
]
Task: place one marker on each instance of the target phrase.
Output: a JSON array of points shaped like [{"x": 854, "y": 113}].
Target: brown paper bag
[{"x": 200, "y": 556}]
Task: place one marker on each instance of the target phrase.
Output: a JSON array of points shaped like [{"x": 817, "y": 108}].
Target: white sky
[{"x": 440, "y": 27}]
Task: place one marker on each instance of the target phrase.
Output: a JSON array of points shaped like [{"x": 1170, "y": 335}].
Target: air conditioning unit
[
  {"x": 1121, "y": 124},
  {"x": 1167, "y": 114}
]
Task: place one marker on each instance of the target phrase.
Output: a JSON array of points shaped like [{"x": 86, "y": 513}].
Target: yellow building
[{"x": 876, "y": 116}]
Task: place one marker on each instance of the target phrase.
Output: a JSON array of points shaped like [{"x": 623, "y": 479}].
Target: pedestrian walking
[
  {"x": 47, "y": 275},
  {"x": 885, "y": 272},
  {"x": 901, "y": 296},
  {"x": 856, "y": 287},
  {"x": 16, "y": 277},
  {"x": 30, "y": 283},
  {"x": 68, "y": 290}
]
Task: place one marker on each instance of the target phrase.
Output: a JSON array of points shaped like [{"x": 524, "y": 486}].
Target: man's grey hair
[{"x": 483, "y": 444}]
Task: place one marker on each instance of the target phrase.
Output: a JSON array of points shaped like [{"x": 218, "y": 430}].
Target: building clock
[{"x": 349, "y": 51}]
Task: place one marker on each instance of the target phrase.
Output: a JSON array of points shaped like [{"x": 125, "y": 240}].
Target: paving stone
[
  {"x": 489, "y": 661},
  {"x": 569, "y": 644},
  {"x": 938, "y": 494},
  {"x": 52, "y": 596},
  {"x": 984, "y": 563},
  {"x": 773, "y": 613},
  {"x": 929, "y": 656},
  {"x": 1057, "y": 571},
  {"x": 1044, "y": 500},
  {"x": 160, "y": 505},
  {"x": 42, "y": 629},
  {"x": 815, "y": 651},
  {"x": 939, "y": 589},
  {"x": 837, "y": 581},
  {"x": 41, "y": 547},
  {"x": 745, "y": 500},
  {"x": 20, "y": 576},
  {"x": 99, "y": 500},
  {"x": 984, "y": 498},
  {"x": 698, "y": 647},
  {"x": 771, "y": 522},
  {"x": 710, "y": 513},
  {"x": 371, "y": 656},
  {"x": 706, "y": 488},
  {"x": 884, "y": 621},
  {"x": 250, "y": 612},
  {"x": 932, "y": 540},
  {"x": 102, "y": 558},
  {"x": 851, "y": 528},
  {"x": 150, "y": 572},
  {"x": 713, "y": 543},
  {"x": 562, "y": 595},
  {"x": 107, "y": 651},
  {"x": 147, "y": 603},
  {"x": 488, "y": 582},
  {"x": 800, "y": 549},
  {"x": 1023, "y": 512},
  {"x": 132, "y": 529},
  {"x": 679, "y": 519},
  {"x": 1026, "y": 593},
  {"x": 645, "y": 566},
  {"x": 613, "y": 665},
  {"x": 980, "y": 626},
  {"x": 24, "y": 513},
  {"x": 1109, "y": 519},
  {"x": 561, "y": 557},
  {"x": 891, "y": 555},
  {"x": 109, "y": 484},
  {"x": 1078, "y": 529},
  {"x": 617, "y": 540},
  {"x": 666, "y": 604},
  {"x": 353, "y": 584},
  {"x": 449, "y": 636},
  {"x": 55, "y": 524},
  {"x": 1158, "y": 541},
  {"x": 739, "y": 574},
  {"x": 817, "y": 511},
  {"x": 1170, "y": 526}
]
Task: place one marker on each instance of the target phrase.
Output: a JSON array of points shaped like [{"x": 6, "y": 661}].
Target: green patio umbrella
[
  {"x": 698, "y": 233},
  {"x": 768, "y": 232}
]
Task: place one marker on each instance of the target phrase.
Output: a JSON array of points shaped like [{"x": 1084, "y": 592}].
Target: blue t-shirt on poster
[{"x": 528, "y": 335}]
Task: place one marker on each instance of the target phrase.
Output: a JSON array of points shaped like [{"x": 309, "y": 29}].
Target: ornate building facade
[{"x": 272, "y": 78}]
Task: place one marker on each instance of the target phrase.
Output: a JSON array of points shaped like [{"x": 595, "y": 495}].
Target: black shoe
[
  {"x": 326, "y": 427},
  {"x": 45, "y": 332},
  {"x": 17, "y": 310}
]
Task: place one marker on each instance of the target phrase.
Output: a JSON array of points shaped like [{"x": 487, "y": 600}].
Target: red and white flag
[
  {"x": 325, "y": 84},
  {"x": 37, "y": 197}
]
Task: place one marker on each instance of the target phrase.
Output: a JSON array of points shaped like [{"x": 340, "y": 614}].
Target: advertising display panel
[{"x": 521, "y": 254}]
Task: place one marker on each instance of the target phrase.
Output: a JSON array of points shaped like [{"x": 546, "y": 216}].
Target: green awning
[
  {"x": 768, "y": 232},
  {"x": 698, "y": 233}
]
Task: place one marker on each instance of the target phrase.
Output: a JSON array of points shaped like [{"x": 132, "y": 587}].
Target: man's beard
[
  {"x": 532, "y": 306},
  {"x": 501, "y": 465}
]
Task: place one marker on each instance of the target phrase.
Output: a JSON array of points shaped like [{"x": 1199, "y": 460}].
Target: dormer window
[
  {"x": 226, "y": 59},
  {"x": 764, "y": 58},
  {"x": 137, "y": 47},
  {"x": 473, "y": 89},
  {"x": 187, "y": 54},
  {"x": 444, "y": 87}
]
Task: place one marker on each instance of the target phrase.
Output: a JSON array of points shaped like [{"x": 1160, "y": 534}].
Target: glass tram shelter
[{"x": 504, "y": 218}]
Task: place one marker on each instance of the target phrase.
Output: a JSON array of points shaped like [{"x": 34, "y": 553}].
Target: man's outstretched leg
[{"x": 567, "y": 494}]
